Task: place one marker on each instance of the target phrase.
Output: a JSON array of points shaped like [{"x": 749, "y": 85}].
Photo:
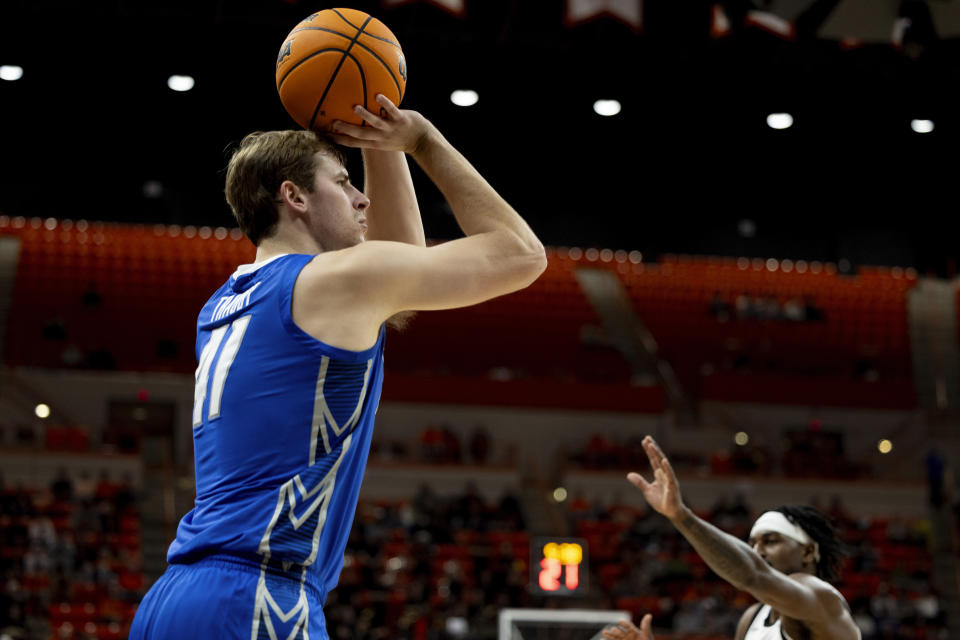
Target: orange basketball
[{"x": 335, "y": 59}]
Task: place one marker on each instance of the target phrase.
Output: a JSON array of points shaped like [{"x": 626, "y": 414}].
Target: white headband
[{"x": 776, "y": 522}]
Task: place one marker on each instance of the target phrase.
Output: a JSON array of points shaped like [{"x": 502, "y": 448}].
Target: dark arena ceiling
[{"x": 687, "y": 159}]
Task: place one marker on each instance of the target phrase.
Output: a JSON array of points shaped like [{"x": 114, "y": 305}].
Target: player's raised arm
[
  {"x": 500, "y": 254},
  {"x": 393, "y": 213},
  {"x": 800, "y": 596}
]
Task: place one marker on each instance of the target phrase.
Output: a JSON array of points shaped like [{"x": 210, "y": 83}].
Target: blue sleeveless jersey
[{"x": 281, "y": 428}]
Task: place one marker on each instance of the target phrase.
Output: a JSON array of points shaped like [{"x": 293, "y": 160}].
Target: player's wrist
[
  {"x": 425, "y": 142},
  {"x": 681, "y": 514}
]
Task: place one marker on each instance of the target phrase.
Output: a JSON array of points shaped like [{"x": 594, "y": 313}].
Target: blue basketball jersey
[{"x": 281, "y": 427}]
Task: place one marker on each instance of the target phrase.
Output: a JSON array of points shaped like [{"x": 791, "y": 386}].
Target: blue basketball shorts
[{"x": 230, "y": 598}]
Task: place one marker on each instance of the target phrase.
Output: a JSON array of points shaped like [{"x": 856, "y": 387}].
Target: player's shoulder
[
  {"x": 373, "y": 258},
  {"x": 746, "y": 620},
  {"x": 828, "y": 595},
  {"x": 837, "y": 620}
]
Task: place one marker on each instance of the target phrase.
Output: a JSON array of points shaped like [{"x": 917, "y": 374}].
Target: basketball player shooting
[
  {"x": 791, "y": 555},
  {"x": 290, "y": 354}
]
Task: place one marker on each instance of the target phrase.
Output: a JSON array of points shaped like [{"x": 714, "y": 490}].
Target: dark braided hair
[{"x": 822, "y": 529}]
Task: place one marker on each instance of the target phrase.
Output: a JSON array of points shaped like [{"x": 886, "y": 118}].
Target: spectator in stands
[
  {"x": 36, "y": 561},
  {"x": 431, "y": 444},
  {"x": 750, "y": 458},
  {"x": 12, "y": 618},
  {"x": 125, "y": 496},
  {"x": 927, "y": 607},
  {"x": 71, "y": 356},
  {"x": 55, "y": 330},
  {"x": 743, "y": 304},
  {"x": 62, "y": 486},
  {"x": 720, "y": 307},
  {"x": 101, "y": 358},
  {"x": 509, "y": 514},
  {"x": 885, "y": 609},
  {"x": 935, "y": 474},
  {"x": 451, "y": 446},
  {"x": 106, "y": 489},
  {"x": 579, "y": 507},
  {"x": 84, "y": 486},
  {"x": 41, "y": 534},
  {"x": 704, "y": 616},
  {"x": 794, "y": 310},
  {"x": 91, "y": 297},
  {"x": 731, "y": 513},
  {"x": 838, "y": 511},
  {"x": 766, "y": 307},
  {"x": 793, "y": 552},
  {"x": 63, "y": 555},
  {"x": 812, "y": 313},
  {"x": 601, "y": 453},
  {"x": 469, "y": 511},
  {"x": 865, "y": 622},
  {"x": 479, "y": 445},
  {"x": 426, "y": 504}
]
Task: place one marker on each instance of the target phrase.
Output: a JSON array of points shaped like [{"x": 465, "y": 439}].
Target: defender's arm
[{"x": 729, "y": 557}]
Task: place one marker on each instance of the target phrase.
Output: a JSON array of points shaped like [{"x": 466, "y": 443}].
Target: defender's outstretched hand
[
  {"x": 393, "y": 130},
  {"x": 663, "y": 494},
  {"x": 626, "y": 630}
]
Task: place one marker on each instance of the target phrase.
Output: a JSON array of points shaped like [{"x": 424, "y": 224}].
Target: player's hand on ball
[
  {"x": 626, "y": 630},
  {"x": 393, "y": 130},
  {"x": 663, "y": 494}
]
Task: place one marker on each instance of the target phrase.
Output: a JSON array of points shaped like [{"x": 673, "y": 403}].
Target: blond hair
[{"x": 260, "y": 164}]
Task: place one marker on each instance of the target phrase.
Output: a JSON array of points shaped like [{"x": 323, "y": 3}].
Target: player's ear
[{"x": 291, "y": 194}]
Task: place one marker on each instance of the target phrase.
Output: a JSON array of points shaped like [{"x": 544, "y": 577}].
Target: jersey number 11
[{"x": 237, "y": 329}]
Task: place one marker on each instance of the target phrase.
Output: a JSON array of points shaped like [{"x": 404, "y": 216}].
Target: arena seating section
[
  {"x": 855, "y": 353},
  {"x": 125, "y": 297}
]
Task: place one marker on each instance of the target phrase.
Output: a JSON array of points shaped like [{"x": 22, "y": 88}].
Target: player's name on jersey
[{"x": 232, "y": 304}]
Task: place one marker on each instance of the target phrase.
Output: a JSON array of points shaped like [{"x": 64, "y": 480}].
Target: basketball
[{"x": 335, "y": 59}]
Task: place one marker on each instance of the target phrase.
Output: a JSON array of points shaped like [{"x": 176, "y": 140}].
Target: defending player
[
  {"x": 290, "y": 354},
  {"x": 791, "y": 555}
]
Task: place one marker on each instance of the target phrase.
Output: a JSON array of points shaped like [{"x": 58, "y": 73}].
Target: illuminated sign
[{"x": 558, "y": 566}]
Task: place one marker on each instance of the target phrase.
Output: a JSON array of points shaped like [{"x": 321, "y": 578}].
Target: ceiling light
[
  {"x": 606, "y": 107},
  {"x": 922, "y": 126},
  {"x": 180, "y": 83},
  {"x": 464, "y": 97},
  {"x": 11, "y": 72},
  {"x": 779, "y": 120}
]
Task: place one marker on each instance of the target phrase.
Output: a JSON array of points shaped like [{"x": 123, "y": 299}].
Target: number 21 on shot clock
[{"x": 558, "y": 566}]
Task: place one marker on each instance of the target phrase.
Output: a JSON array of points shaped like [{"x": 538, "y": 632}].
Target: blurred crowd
[
  {"x": 764, "y": 306},
  {"x": 803, "y": 453},
  {"x": 431, "y": 568},
  {"x": 440, "y": 444},
  {"x": 70, "y": 560}
]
